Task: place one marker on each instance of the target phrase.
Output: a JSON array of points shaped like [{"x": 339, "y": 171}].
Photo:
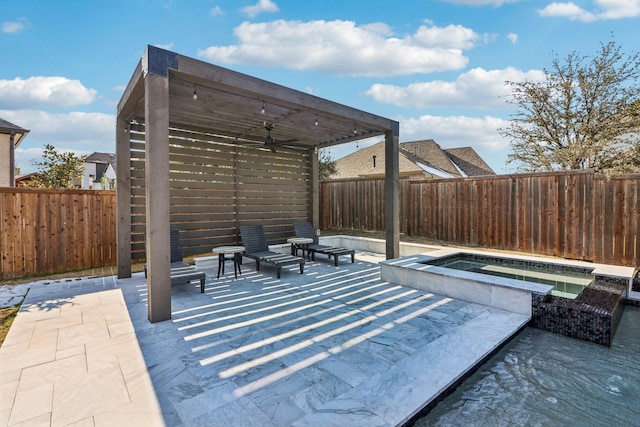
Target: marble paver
[
  {"x": 72, "y": 356},
  {"x": 333, "y": 347}
]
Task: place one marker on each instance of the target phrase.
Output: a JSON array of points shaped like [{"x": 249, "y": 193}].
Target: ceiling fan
[{"x": 270, "y": 142}]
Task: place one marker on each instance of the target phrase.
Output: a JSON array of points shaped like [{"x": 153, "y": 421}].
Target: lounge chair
[
  {"x": 305, "y": 229},
  {"x": 181, "y": 272},
  {"x": 255, "y": 246}
]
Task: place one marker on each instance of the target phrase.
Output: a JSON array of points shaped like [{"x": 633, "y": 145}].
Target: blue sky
[{"x": 436, "y": 66}]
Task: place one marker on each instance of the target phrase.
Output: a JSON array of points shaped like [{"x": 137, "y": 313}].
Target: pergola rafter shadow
[{"x": 171, "y": 97}]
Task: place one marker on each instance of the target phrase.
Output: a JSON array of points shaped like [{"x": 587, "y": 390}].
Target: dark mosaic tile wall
[{"x": 593, "y": 316}]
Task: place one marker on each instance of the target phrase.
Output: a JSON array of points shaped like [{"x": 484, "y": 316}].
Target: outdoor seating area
[{"x": 333, "y": 346}]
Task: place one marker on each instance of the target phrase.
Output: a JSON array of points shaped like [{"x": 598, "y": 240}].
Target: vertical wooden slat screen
[
  {"x": 569, "y": 214},
  {"x": 216, "y": 186},
  {"x": 48, "y": 231}
]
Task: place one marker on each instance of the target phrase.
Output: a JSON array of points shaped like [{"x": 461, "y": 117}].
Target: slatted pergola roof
[{"x": 231, "y": 108}]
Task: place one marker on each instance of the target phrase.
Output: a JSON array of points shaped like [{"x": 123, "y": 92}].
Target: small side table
[
  {"x": 235, "y": 253},
  {"x": 301, "y": 243}
]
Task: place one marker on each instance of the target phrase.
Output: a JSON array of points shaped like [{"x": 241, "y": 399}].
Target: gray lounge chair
[
  {"x": 256, "y": 247},
  {"x": 305, "y": 229},
  {"x": 181, "y": 272}
]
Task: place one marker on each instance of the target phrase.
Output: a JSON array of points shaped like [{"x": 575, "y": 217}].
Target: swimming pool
[{"x": 541, "y": 378}]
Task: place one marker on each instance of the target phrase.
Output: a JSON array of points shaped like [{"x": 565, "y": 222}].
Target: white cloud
[
  {"x": 25, "y": 157},
  {"x": 342, "y": 47},
  {"x": 14, "y": 27},
  {"x": 165, "y": 46},
  {"x": 604, "y": 10},
  {"x": 82, "y": 133},
  {"x": 476, "y": 88},
  {"x": 261, "y": 7},
  {"x": 513, "y": 37},
  {"x": 45, "y": 91},
  {"x": 456, "y": 131},
  {"x": 216, "y": 11},
  {"x": 452, "y": 36}
]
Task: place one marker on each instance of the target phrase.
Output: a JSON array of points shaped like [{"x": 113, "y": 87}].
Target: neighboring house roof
[
  {"x": 9, "y": 128},
  {"x": 106, "y": 158},
  {"x": 23, "y": 180},
  {"x": 102, "y": 161},
  {"x": 429, "y": 153},
  {"x": 469, "y": 161},
  {"x": 361, "y": 163},
  {"x": 417, "y": 158}
]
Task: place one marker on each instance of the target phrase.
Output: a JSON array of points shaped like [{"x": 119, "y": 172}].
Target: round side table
[
  {"x": 301, "y": 243},
  {"x": 229, "y": 253}
]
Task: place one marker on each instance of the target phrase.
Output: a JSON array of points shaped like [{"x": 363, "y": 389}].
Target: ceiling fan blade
[
  {"x": 285, "y": 141},
  {"x": 293, "y": 148}
]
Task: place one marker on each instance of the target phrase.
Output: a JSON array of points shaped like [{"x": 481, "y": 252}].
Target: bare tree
[{"x": 585, "y": 114}]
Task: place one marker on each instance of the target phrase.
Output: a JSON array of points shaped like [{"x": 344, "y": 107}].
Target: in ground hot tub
[
  {"x": 576, "y": 299},
  {"x": 567, "y": 281},
  {"x": 424, "y": 272}
]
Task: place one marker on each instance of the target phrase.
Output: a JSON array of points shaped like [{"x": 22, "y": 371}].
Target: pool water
[
  {"x": 567, "y": 281},
  {"x": 543, "y": 379}
]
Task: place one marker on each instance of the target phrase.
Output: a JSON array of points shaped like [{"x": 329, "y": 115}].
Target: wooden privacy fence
[
  {"x": 572, "y": 214},
  {"x": 46, "y": 231}
]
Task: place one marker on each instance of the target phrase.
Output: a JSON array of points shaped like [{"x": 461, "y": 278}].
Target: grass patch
[{"x": 7, "y": 315}]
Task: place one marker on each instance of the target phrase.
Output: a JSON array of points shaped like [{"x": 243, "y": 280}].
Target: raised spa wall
[
  {"x": 499, "y": 292},
  {"x": 592, "y": 316}
]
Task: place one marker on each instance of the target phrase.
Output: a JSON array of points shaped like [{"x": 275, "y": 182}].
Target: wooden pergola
[{"x": 193, "y": 151}]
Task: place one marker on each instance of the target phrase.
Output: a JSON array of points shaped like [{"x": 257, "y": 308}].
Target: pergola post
[
  {"x": 315, "y": 189},
  {"x": 392, "y": 192},
  {"x": 157, "y": 197},
  {"x": 123, "y": 197}
]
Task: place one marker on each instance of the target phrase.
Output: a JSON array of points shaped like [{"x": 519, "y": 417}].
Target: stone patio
[{"x": 335, "y": 346}]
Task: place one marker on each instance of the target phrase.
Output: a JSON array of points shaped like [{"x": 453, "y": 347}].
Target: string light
[
  {"x": 263, "y": 109},
  {"x": 195, "y": 94},
  {"x": 316, "y": 122},
  {"x": 355, "y": 130}
]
